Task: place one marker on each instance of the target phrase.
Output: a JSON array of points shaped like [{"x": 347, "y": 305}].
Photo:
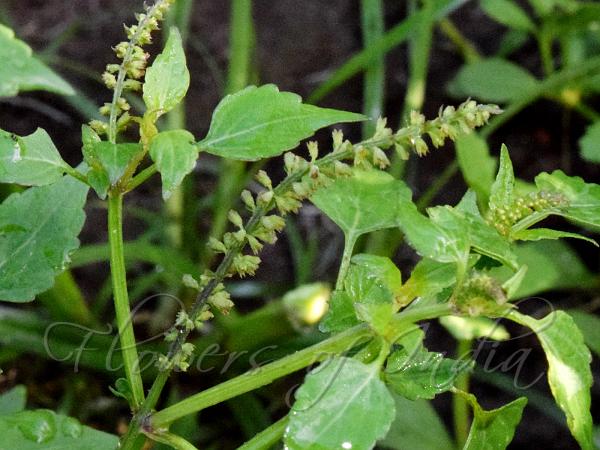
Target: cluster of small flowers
[
  {"x": 503, "y": 218},
  {"x": 133, "y": 66},
  {"x": 481, "y": 294},
  {"x": 450, "y": 123}
]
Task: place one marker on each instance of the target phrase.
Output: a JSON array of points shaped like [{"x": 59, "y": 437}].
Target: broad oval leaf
[
  {"x": 493, "y": 430},
  {"x": 31, "y": 160},
  {"x": 589, "y": 143},
  {"x": 167, "y": 79},
  {"x": 569, "y": 373},
  {"x": 115, "y": 158},
  {"x": 509, "y": 13},
  {"x": 478, "y": 167},
  {"x": 174, "y": 153},
  {"x": 342, "y": 404},
  {"x": 583, "y": 198},
  {"x": 20, "y": 71},
  {"x": 38, "y": 231},
  {"x": 33, "y": 430},
  {"x": 355, "y": 203},
  {"x": 493, "y": 80},
  {"x": 261, "y": 122}
]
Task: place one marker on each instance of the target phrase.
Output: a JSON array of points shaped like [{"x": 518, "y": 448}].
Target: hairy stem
[{"x": 121, "y": 298}]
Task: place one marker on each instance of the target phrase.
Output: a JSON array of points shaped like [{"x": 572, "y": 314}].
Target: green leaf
[
  {"x": 115, "y": 158},
  {"x": 21, "y": 71},
  {"x": 589, "y": 325},
  {"x": 476, "y": 164},
  {"x": 381, "y": 268},
  {"x": 416, "y": 427},
  {"x": 355, "y": 205},
  {"x": 470, "y": 328},
  {"x": 427, "y": 279},
  {"x": 551, "y": 265},
  {"x": 168, "y": 79},
  {"x": 278, "y": 122},
  {"x": 589, "y": 144},
  {"x": 493, "y": 430},
  {"x": 13, "y": 401},
  {"x": 569, "y": 373},
  {"x": 175, "y": 154},
  {"x": 341, "y": 314},
  {"x": 38, "y": 231},
  {"x": 492, "y": 80},
  {"x": 538, "y": 234},
  {"x": 33, "y": 430},
  {"x": 422, "y": 374},
  {"x": 502, "y": 192},
  {"x": 583, "y": 198},
  {"x": 31, "y": 160},
  {"x": 342, "y": 404},
  {"x": 96, "y": 175},
  {"x": 509, "y": 13}
]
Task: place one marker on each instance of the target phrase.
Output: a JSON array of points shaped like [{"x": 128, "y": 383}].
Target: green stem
[
  {"x": 121, "y": 297},
  {"x": 345, "y": 264},
  {"x": 460, "y": 407},
  {"x": 374, "y": 79},
  {"x": 141, "y": 177},
  {"x": 464, "y": 46},
  {"x": 268, "y": 437},
  {"x": 266, "y": 374},
  {"x": 176, "y": 442}
]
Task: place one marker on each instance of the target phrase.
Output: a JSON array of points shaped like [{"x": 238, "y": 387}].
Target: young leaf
[
  {"x": 31, "y": 160},
  {"x": 569, "y": 373},
  {"x": 381, "y": 268},
  {"x": 342, "y": 404},
  {"x": 493, "y": 430},
  {"x": 501, "y": 194},
  {"x": 175, "y": 154},
  {"x": 32, "y": 430},
  {"x": 589, "y": 144},
  {"x": 538, "y": 234},
  {"x": 341, "y": 314},
  {"x": 493, "y": 80},
  {"x": 416, "y": 427},
  {"x": 427, "y": 279},
  {"x": 13, "y": 401},
  {"x": 422, "y": 374},
  {"x": 115, "y": 158},
  {"x": 168, "y": 79},
  {"x": 509, "y": 13},
  {"x": 476, "y": 164},
  {"x": 96, "y": 175},
  {"x": 21, "y": 71},
  {"x": 278, "y": 122},
  {"x": 583, "y": 198},
  {"x": 38, "y": 231}
]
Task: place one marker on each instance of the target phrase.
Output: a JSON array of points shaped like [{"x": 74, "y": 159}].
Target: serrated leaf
[
  {"x": 342, "y": 404},
  {"x": 589, "y": 325},
  {"x": 167, "y": 79},
  {"x": 416, "y": 427},
  {"x": 381, "y": 268},
  {"x": 469, "y": 328},
  {"x": 31, "y": 160},
  {"x": 493, "y": 430},
  {"x": 340, "y": 315},
  {"x": 32, "y": 430},
  {"x": 502, "y": 191},
  {"x": 492, "y": 80},
  {"x": 538, "y": 234},
  {"x": 21, "y": 71},
  {"x": 478, "y": 167},
  {"x": 13, "y": 400},
  {"x": 38, "y": 231},
  {"x": 551, "y": 265},
  {"x": 583, "y": 198},
  {"x": 509, "y": 13},
  {"x": 278, "y": 122},
  {"x": 422, "y": 374},
  {"x": 427, "y": 279},
  {"x": 96, "y": 175},
  {"x": 115, "y": 158},
  {"x": 175, "y": 154},
  {"x": 589, "y": 144},
  {"x": 569, "y": 373}
]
